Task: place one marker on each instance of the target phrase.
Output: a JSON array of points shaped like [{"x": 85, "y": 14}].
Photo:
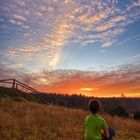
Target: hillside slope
[
  {"x": 18, "y": 95},
  {"x": 32, "y": 121},
  {"x": 10, "y": 93}
]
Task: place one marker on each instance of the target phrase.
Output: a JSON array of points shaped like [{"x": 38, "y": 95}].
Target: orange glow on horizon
[
  {"x": 89, "y": 92},
  {"x": 88, "y": 89},
  {"x": 108, "y": 84}
]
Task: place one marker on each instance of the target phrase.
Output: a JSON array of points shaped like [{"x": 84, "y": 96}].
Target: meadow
[{"x": 25, "y": 120}]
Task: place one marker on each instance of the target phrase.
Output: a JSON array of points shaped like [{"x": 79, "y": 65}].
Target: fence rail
[{"x": 15, "y": 84}]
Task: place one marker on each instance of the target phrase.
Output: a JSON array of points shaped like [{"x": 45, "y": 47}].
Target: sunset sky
[{"x": 90, "y": 47}]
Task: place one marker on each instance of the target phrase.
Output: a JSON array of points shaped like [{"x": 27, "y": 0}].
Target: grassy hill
[
  {"x": 10, "y": 93},
  {"x": 18, "y": 95},
  {"x": 33, "y": 121}
]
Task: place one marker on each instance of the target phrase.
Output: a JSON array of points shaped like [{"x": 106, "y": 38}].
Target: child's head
[{"x": 94, "y": 106}]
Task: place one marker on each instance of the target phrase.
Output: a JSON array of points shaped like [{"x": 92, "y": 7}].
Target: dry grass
[{"x": 32, "y": 121}]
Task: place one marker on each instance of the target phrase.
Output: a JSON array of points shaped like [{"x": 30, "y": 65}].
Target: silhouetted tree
[{"x": 26, "y": 78}]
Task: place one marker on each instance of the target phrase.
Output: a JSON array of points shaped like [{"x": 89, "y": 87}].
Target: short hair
[{"x": 94, "y": 106}]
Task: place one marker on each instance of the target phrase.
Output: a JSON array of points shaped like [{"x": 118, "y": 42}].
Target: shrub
[
  {"x": 137, "y": 115},
  {"x": 117, "y": 110}
]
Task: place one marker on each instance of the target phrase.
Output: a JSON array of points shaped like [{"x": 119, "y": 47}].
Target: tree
[{"x": 26, "y": 78}]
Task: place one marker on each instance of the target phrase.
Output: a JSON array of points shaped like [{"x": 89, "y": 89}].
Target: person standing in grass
[{"x": 95, "y": 126}]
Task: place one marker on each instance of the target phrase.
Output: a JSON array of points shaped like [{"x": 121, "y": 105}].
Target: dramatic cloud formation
[
  {"x": 40, "y": 38},
  {"x": 125, "y": 80},
  {"x": 43, "y": 28}
]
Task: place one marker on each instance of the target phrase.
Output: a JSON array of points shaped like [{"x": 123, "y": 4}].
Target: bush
[
  {"x": 137, "y": 116},
  {"x": 117, "y": 110}
]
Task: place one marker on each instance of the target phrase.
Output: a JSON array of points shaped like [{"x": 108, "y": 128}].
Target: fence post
[
  {"x": 13, "y": 86},
  {"x": 16, "y": 85}
]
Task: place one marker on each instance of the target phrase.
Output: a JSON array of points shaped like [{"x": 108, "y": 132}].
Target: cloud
[
  {"x": 106, "y": 44},
  {"x": 124, "y": 79},
  {"x": 134, "y": 5},
  {"x": 135, "y": 37},
  {"x": 19, "y": 17},
  {"x": 42, "y": 29},
  {"x": 102, "y": 51},
  {"x": 102, "y": 24},
  {"x": 47, "y": 51},
  {"x": 6, "y": 72},
  {"x": 111, "y": 23},
  {"x": 114, "y": 1}
]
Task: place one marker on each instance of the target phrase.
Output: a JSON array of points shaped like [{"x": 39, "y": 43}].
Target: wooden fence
[{"x": 15, "y": 84}]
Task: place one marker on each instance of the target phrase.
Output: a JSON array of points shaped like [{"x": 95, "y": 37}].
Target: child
[{"x": 95, "y": 125}]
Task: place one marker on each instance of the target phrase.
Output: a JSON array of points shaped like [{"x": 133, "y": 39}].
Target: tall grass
[{"x": 32, "y": 121}]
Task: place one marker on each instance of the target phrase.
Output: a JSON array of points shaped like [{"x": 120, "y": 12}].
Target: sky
[{"x": 72, "y": 46}]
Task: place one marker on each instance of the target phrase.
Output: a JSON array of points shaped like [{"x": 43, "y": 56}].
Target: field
[{"x": 32, "y": 121}]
